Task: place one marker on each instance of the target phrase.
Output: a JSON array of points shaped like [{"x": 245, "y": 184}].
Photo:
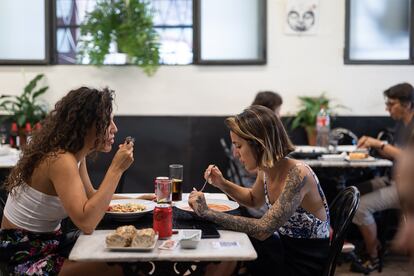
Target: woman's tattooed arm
[{"x": 262, "y": 228}]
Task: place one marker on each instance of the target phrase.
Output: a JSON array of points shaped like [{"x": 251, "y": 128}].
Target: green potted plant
[
  {"x": 306, "y": 116},
  {"x": 27, "y": 107},
  {"x": 128, "y": 23}
]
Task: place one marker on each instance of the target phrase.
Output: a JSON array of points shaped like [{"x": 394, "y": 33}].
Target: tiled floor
[{"x": 394, "y": 266}]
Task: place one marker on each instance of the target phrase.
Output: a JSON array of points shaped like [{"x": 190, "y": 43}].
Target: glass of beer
[{"x": 176, "y": 176}]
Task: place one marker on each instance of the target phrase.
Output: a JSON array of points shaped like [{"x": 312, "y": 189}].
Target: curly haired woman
[{"x": 51, "y": 182}]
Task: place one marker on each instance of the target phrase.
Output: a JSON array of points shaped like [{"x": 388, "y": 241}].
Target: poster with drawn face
[{"x": 302, "y": 17}]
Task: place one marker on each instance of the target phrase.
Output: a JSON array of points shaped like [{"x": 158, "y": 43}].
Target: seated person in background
[
  {"x": 298, "y": 215},
  {"x": 404, "y": 240},
  {"x": 380, "y": 193},
  {"x": 51, "y": 182},
  {"x": 269, "y": 99},
  {"x": 273, "y": 101}
]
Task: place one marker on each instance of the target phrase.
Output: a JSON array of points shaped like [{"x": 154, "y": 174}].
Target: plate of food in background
[
  {"x": 359, "y": 156},
  {"x": 129, "y": 209},
  {"x": 220, "y": 205}
]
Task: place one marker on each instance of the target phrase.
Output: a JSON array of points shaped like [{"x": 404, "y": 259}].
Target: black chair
[
  {"x": 233, "y": 172},
  {"x": 342, "y": 210},
  {"x": 343, "y": 136}
]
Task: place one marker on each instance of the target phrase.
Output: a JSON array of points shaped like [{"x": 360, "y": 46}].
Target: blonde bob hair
[{"x": 265, "y": 133}]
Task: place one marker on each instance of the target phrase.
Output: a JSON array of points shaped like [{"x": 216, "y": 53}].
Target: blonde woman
[{"x": 298, "y": 215}]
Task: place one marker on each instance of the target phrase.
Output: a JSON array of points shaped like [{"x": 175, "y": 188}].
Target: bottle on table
[
  {"x": 162, "y": 219},
  {"x": 28, "y": 133},
  {"x": 3, "y": 135},
  {"x": 14, "y": 136},
  {"x": 323, "y": 127}
]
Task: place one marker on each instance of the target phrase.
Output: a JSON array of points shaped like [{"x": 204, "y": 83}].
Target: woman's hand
[
  {"x": 214, "y": 176},
  {"x": 123, "y": 157},
  {"x": 197, "y": 201},
  {"x": 369, "y": 142}
]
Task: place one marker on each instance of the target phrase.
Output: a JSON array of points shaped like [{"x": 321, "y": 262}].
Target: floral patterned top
[{"x": 303, "y": 224}]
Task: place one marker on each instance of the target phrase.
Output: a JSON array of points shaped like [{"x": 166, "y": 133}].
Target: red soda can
[{"x": 162, "y": 221}]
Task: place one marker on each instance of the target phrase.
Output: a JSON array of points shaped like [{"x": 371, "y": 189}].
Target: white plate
[
  {"x": 346, "y": 148},
  {"x": 128, "y": 216},
  {"x": 130, "y": 248},
  {"x": 333, "y": 157},
  {"x": 368, "y": 159},
  {"x": 183, "y": 205},
  {"x": 310, "y": 149}
]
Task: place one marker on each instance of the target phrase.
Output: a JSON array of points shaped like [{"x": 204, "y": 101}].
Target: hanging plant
[{"x": 128, "y": 23}]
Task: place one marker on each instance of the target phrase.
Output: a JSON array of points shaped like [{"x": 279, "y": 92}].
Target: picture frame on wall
[{"x": 302, "y": 17}]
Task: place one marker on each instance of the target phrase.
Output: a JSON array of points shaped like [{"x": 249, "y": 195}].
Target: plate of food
[
  {"x": 129, "y": 209},
  {"x": 128, "y": 238},
  {"x": 220, "y": 205},
  {"x": 359, "y": 157}
]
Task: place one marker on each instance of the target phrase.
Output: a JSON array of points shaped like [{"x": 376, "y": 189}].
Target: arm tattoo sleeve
[{"x": 278, "y": 214}]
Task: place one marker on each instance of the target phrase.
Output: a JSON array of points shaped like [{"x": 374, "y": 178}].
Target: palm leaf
[
  {"x": 39, "y": 92},
  {"x": 32, "y": 84}
]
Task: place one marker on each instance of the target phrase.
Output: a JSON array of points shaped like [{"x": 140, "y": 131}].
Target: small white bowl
[{"x": 190, "y": 243}]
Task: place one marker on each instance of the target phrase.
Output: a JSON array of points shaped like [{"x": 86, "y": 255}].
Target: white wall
[{"x": 296, "y": 66}]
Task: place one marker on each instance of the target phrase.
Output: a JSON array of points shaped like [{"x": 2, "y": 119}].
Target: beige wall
[{"x": 296, "y": 66}]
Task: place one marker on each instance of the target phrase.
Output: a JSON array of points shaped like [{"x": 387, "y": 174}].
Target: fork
[{"x": 205, "y": 182}]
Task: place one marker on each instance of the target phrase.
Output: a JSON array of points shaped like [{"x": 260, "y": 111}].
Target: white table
[
  {"x": 92, "y": 247},
  {"x": 318, "y": 163},
  {"x": 9, "y": 160}
]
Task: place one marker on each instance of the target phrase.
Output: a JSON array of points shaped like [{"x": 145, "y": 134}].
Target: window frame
[
  {"x": 348, "y": 60},
  {"x": 51, "y": 55},
  {"x": 48, "y": 44},
  {"x": 197, "y": 60}
]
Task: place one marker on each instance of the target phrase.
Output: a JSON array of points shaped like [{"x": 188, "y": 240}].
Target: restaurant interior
[{"x": 179, "y": 68}]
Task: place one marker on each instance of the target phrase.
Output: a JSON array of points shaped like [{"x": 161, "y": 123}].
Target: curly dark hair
[{"x": 64, "y": 130}]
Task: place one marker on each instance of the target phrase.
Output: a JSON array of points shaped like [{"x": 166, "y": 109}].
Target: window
[
  {"x": 173, "y": 19},
  {"x": 24, "y": 23},
  {"x": 234, "y": 33},
  {"x": 174, "y": 22},
  {"x": 378, "y": 32},
  {"x": 55, "y": 31}
]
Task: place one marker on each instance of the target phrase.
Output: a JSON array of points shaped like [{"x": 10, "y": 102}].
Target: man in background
[{"x": 380, "y": 193}]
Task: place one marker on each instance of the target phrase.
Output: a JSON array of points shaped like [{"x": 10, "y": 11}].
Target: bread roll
[
  {"x": 127, "y": 230},
  {"x": 144, "y": 238},
  {"x": 358, "y": 155},
  {"x": 116, "y": 240},
  {"x": 122, "y": 237}
]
